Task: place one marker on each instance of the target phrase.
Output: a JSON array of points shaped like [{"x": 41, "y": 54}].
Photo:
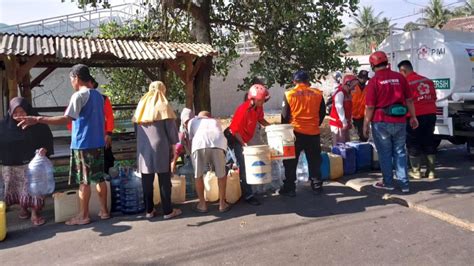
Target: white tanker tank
[{"x": 446, "y": 57}]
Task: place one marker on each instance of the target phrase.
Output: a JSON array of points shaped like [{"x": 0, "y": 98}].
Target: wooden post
[
  {"x": 25, "y": 88},
  {"x": 11, "y": 67},
  {"x": 189, "y": 82}
]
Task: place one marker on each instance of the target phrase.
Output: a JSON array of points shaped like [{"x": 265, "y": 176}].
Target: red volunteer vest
[{"x": 334, "y": 119}]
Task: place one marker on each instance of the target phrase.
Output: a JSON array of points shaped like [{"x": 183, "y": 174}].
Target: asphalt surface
[{"x": 341, "y": 227}]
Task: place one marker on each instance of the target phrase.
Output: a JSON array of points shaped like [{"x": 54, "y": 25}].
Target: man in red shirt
[
  {"x": 241, "y": 131},
  {"x": 387, "y": 100},
  {"x": 420, "y": 141}
]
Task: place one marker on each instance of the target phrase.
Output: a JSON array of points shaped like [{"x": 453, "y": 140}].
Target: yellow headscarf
[{"x": 153, "y": 106}]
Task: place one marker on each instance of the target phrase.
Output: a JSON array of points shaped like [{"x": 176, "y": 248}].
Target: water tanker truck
[{"x": 447, "y": 58}]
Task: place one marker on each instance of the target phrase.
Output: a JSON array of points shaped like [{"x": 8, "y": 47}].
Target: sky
[{"x": 19, "y": 11}]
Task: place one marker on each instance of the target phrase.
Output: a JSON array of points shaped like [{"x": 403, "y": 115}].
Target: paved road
[{"x": 341, "y": 227}]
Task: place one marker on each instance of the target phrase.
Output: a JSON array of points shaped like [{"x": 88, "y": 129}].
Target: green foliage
[
  {"x": 127, "y": 85},
  {"x": 289, "y": 34},
  {"x": 435, "y": 14},
  {"x": 370, "y": 29},
  {"x": 464, "y": 11}
]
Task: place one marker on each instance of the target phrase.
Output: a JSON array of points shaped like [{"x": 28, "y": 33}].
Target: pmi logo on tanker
[{"x": 424, "y": 52}]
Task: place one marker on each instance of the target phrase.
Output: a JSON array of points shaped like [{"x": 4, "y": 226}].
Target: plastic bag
[{"x": 40, "y": 176}]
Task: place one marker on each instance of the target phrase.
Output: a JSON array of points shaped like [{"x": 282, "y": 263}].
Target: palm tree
[
  {"x": 464, "y": 11},
  {"x": 370, "y": 28},
  {"x": 435, "y": 14},
  {"x": 411, "y": 26}
]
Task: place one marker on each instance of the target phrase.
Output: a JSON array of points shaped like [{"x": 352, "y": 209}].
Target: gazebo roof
[{"x": 64, "y": 51}]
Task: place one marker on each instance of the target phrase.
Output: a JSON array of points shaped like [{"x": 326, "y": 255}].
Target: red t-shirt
[
  {"x": 245, "y": 120},
  {"x": 384, "y": 89},
  {"x": 424, "y": 94}
]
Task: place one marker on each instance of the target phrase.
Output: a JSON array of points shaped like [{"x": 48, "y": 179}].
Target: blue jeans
[{"x": 390, "y": 139}]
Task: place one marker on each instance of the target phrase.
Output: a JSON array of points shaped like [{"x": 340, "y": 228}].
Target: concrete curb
[{"x": 466, "y": 225}]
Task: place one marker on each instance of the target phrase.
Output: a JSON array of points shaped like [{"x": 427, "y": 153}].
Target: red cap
[{"x": 258, "y": 92}]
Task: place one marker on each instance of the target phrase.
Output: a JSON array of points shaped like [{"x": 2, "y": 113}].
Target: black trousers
[
  {"x": 421, "y": 140},
  {"x": 311, "y": 145},
  {"x": 164, "y": 180},
  {"x": 359, "y": 126}
]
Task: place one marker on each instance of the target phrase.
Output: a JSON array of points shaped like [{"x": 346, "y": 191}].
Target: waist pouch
[{"x": 396, "y": 109}]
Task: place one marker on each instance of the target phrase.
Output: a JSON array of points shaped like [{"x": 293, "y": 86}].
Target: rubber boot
[
  {"x": 430, "y": 171},
  {"x": 415, "y": 171}
]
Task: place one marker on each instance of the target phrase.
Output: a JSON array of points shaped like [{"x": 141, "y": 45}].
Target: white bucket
[
  {"x": 281, "y": 140},
  {"x": 258, "y": 164}
]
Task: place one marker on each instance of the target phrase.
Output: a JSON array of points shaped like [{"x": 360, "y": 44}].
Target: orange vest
[
  {"x": 358, "y": 102},
  {"x": 304, "y": 104}
]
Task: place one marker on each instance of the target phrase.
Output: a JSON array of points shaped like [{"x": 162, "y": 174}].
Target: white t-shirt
[
  {"x": 78, "y": 100},
  {"x": 206, "y": 133}
]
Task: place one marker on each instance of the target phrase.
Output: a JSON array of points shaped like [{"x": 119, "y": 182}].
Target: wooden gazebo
[{"x": 20, "y": 53}]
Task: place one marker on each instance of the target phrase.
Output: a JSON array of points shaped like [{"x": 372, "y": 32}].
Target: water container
[
  {"x": 131, "y": 194},
  {"x": 211, "y": 187},
  {"x": 40, "y": 176},
  {"x": 363, "y": 154},
  {"x": 278, "y": 172},
  {"x": 188, "y": 171},
  {"x": 336, "y": 166},
  {"x": 233, "y": 191},
  {"x": 348, "y": 155},
  {"x": 178, "y": 189},
  {"x": 114, "y": 192},
  {"x": 258, "y": 164},
  {"x": 3, "y": 220},
  {"x": 302, "y": 173},
  {"x": 281, "y": 141},
  {"x": 325, "y": 168},
  {"x": 156, "y": 191},
  {"x": 66, "y": 205},
  {"x": 375, "y": 157},
  {"x": 94, "y": 202}
]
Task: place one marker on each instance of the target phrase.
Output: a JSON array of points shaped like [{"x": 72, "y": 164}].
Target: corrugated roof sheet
[{"x": 70, "y": 47}]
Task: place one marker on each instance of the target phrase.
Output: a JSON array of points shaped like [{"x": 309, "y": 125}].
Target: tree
[
  {"x": 411, "y": 26},
  {"x": 290, "y": 34},
  {"x": 464, "y": 11},
  {"x": 369, "y": 29},
  {"x": 435, "y": 14}
]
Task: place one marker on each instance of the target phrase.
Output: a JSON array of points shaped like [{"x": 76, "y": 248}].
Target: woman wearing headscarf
[
  {"x": 157, "y": 136},
  {"x": 17, "y": 148}
]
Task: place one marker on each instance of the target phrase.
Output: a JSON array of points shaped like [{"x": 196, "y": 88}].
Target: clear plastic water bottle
[
  {"x": 302, "y": 173},
  {"x": 278, "y": 172},
  {"x": 40, "y": 176}
]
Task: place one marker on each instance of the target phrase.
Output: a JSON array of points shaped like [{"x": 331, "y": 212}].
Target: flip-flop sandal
[
  {"x": 77, "y": 221},
  {"x": 175, "y": 213},
  {"x": 24, "y": 215},
  {"x": 38, "y": 221},
  {"x": 151, "y": 214},
  {"x": 104, "y": 216},
  {"x": 226, "y": 209},
  {"x": 196, "y": 209}
]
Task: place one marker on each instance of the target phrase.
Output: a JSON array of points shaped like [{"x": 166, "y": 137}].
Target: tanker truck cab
[{"x": 447, "y": 58}]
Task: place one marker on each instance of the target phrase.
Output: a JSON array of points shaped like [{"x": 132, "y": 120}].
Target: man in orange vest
[
  {"x": 341, "y": 111},
  {"x": 304, "y": 109},
  {"x": 358, "y": 104},
  {"x": 420, "y": 141}
]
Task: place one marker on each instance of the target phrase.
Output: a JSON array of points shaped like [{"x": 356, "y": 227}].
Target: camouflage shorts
[{"x": 87, "y": 166}]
